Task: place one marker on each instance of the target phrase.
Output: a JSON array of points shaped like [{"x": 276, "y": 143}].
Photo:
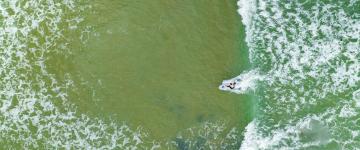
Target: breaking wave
[
  {"x": 310, "y": 52},
  {"x": 307, "y": 53}
]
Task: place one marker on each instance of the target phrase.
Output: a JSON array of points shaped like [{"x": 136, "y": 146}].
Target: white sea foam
[
  {"x": 307, "y": 132},
  {"x": 310, "y": 52},
  {"x": 295, "y": 131},
  {"x": 356, "y": 98},
  {"x": 35, "y": 111},
  {"x": 347, "y": 111},
  {"x": 246, "y": 9}
]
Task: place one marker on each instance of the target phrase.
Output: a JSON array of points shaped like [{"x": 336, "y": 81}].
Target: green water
[
  {"x": 157, "y": 64},
  {"x": 116, "y": 74}
]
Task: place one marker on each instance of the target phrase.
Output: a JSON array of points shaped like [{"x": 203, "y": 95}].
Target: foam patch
[
  {"x": 35, "y": 111},
  {"x": 310, "y": 52}
]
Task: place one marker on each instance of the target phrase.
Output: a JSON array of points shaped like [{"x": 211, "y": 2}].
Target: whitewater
[
  {"x": 35, "y": 112},
  {"x": 307, "y": 54},
  {"x": 305, "y": 76},
  {"x": 36, "y": 109}
]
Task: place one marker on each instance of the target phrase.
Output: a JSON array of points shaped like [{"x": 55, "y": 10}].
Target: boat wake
[{"x": 243, "y": 83}]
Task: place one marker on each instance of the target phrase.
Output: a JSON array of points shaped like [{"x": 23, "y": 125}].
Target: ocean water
[
  {"x": 128, "y": 74},
  {"x": 309, "y": 55},
  {"x": 121, "y": 75}
]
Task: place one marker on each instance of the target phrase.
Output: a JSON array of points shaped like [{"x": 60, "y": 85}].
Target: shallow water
[
  {"x": 157, "y": 64},
  {"x": 145, "y": 75},
  {"x": 121, "y": 74}
]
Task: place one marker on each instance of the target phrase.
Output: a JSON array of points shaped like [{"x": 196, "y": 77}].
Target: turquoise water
[{"x": 145, "y": 74}]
